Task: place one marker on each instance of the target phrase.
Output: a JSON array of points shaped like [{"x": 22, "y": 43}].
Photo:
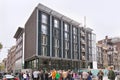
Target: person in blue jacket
[{"x": 89, "y": 76}]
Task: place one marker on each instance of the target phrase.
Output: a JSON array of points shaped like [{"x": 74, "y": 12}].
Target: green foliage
[
  {"x": 1, "y": 46},
  {"x": 2, "y": 67}
]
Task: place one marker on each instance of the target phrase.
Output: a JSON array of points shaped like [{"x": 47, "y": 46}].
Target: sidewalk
[{"x": 106, "y": 78}]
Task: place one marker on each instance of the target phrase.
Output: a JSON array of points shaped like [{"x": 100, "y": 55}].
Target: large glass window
[
  {"x": 44, "y": 29},
  {"x": 66, "y": 53},
  {"x": 56, "y": 23},
  {"x": 66, "y": 36},
  {"x": 66, "y": 45},
  {"x": 44, "y": 18},
  {"x": 44, "y": 50},
  {"x": 75, "y": 47},
  {"x": 75, "y": 38},
  {"x": 75, "y": 55},
  {"x": 34, "y": 63},
  {"x": 56, "y": 33},
  {"x": 66, "y": 27},
  {"x": 89, "y": 36},
  {"x": 56, "y": 43},
  {"x": 44, "y": 40},
  {"x": 74, "y": 30},
  {"x": 56, "y": 52}
]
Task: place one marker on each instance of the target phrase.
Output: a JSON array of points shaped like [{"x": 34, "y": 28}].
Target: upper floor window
[
  {"x": 66, "y": 36},
  {"x": 56, "y": 52},
  {"x": 44, "y": 18},
  {"x": 66, "y": 45},
  {"x": 56, "y": 43},
  {"x": 44, "y": 50},
  {"x": 56, "y": 23},
  {"x": 74, "y": 30},
  {"x": 89, "y": 36},
  {"x": 66, "y": 27},
  {"x": 44, "y": 39},
  {"x": 75, "y": 55},
  {"x": 75, "y": 39},
  {"x": 75, "y": 47},
  {"x": 66, "y": 53},
  {"x": 56, "y": 33},
  {"x": 44, "y": 29}
]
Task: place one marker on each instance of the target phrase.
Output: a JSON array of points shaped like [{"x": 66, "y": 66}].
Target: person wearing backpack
[{"x": 111, "y": 74}]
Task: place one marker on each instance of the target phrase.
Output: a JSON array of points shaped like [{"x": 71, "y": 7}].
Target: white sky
[{"x": 103, "y": 16}]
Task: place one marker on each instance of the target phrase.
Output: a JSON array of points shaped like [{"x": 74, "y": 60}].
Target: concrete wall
[{"x": 31, "y": 36}]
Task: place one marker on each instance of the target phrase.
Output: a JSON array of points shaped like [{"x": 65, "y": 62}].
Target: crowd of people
[
  {"x": 64, "y": 75},
  {"x": 48, "y": 75},
  {"x": 111, "y": 74},
  {"x": 54, "y": 75}
]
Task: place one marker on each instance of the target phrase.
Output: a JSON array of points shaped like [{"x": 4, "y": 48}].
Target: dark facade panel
[
  {"x": 40, "y": 33},
  {"x": 31, "y": 35}
]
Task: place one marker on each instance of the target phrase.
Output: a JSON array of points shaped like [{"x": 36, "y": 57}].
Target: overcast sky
[{"x": 103, "y": 16}]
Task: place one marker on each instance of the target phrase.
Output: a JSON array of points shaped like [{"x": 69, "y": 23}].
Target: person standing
[
  {"x": 89, "y": 76},
  {"x": 100, "y": 75},
  {"x": 36, "y": 75},
  {"x": 111, "y": 74},
  {"x": 24, "y": 76},
  {"x": 84, "y": 75},
  {"x": 20, "y": 76},
  {"x": 50, "y": 75},
  {"x": 46, "y": 75}
]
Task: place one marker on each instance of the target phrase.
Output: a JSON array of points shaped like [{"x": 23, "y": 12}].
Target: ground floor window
[{"x": 58, "y": 64}]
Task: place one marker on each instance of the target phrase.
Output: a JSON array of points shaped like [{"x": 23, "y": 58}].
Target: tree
[
  {"x": 2, "y": 67},
  {"x": 1, "y": 46}
]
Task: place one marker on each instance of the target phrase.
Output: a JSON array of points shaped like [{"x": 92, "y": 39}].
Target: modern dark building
[{"x": 53, "y": 40}]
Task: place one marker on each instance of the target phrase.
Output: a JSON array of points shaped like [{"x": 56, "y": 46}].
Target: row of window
[
  {"x": 19, "y": 40},
  {"x": 57, "y": 52},
  {"x": 56, "y": 37},
  {"x": 56, "y": 24}
]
